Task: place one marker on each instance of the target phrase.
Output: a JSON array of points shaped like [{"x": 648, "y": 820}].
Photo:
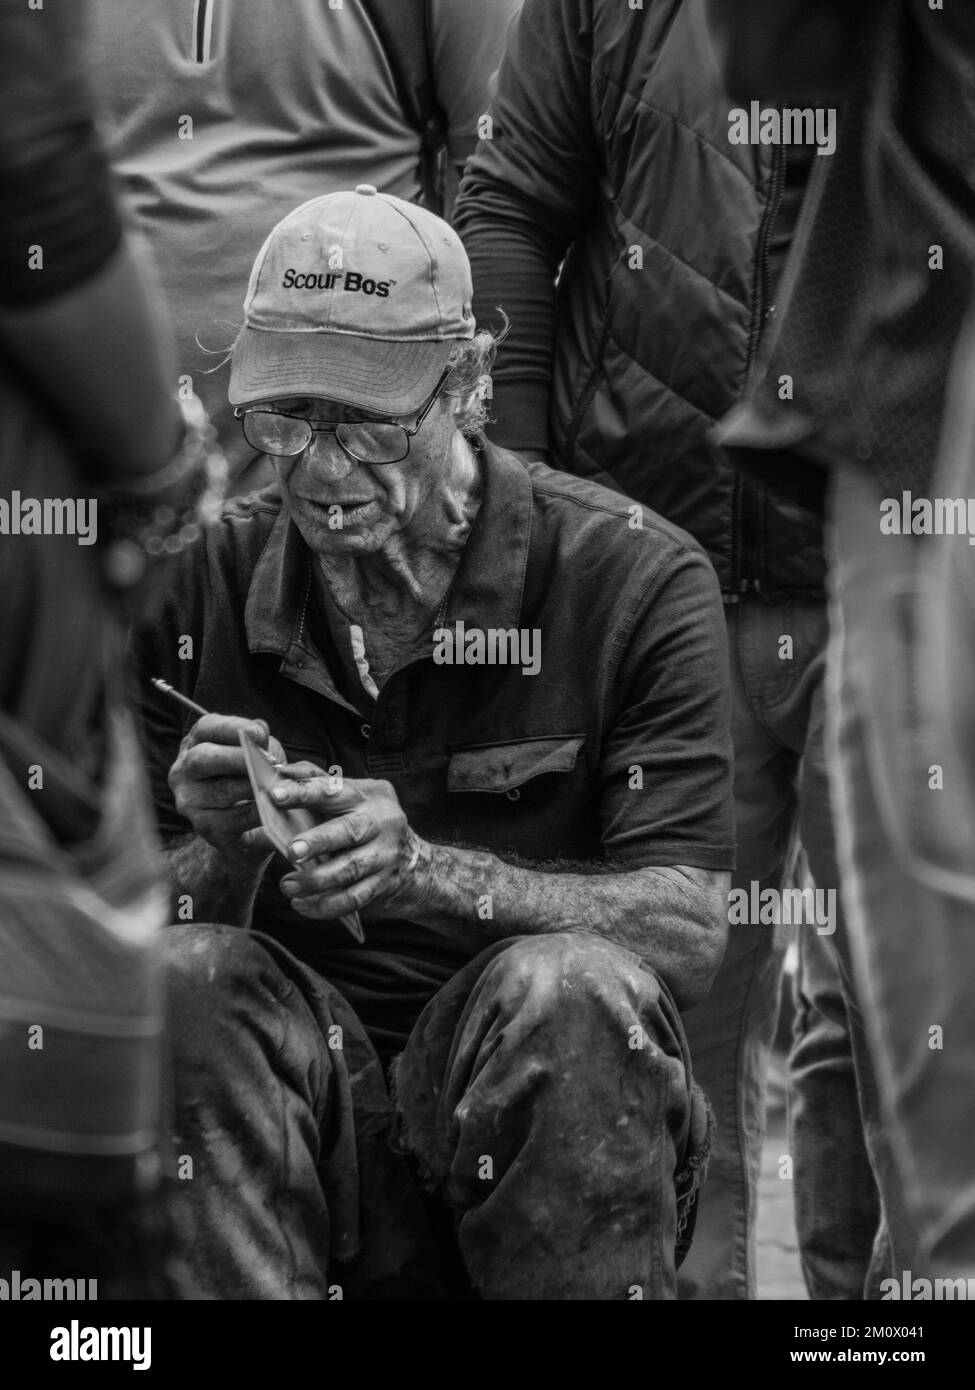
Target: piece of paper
[{"x": 282, "y": 825}]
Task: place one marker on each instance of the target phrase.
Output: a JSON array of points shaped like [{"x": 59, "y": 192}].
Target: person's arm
[
  {"x": 667, "y": 835},
  {"x": 674, "y": 918},
  {"x": 103, "y": 356},
  {"x": 220, "y": 863},
  {"x": 79, "y": 309},
  {"x": 220, "y": 889},
  {"x": 526, "y": 197},
  {"x": 467, "y": 42},
  {"x": 214, "y": 849}
]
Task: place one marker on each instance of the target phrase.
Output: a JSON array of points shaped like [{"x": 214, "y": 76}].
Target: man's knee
[
  {"x": 208, "y": 965},
  {"x": 575, "y": 982},
  {"x": 227, "y": 998},
  {"x": 199, "y": 953}
]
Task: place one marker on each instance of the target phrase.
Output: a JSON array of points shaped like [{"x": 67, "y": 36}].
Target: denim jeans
[
  {"x": 936, "y": 1136},
  {"x": 780, "y": 784},
  {"x": 545, "y": 1094},
  {"x": 905, "y": 801},
  {"x": 837, "y": 1206}
]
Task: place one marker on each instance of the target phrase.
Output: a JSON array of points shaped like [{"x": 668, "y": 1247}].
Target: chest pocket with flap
[{"x": 507, "y": 767}]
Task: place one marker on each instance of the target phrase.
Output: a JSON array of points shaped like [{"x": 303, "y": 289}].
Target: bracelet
[
  {"x": 195, "y": 426},
  {"x": 157, "y": 517}
]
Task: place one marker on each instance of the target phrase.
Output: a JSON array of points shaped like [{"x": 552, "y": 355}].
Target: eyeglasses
[{"x": 281, "y": 435}]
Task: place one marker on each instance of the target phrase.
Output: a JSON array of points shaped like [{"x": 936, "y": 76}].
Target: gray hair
[{"x": 470, "y": 362}]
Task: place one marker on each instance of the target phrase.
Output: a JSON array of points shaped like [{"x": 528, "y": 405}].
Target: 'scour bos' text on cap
[{"x": 357, "y": 298}]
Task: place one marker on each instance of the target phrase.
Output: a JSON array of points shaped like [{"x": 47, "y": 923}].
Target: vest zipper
[
  {"x": 586, "y": 395},
  {"x": 746, "y": 505},
  {"x": 779, "y": 158},
  {"x": 203, "y": 30}
]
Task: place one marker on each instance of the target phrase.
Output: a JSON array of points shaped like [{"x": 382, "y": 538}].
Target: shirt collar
[{"x": 488, "y": 587}]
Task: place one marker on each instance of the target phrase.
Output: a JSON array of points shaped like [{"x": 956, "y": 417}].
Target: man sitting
[{"x": 502, "y": 695}]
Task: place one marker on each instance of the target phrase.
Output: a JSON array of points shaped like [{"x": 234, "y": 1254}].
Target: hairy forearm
[
  {"x": 675, "y": 924},
  {"x": 218, "y": 889}
]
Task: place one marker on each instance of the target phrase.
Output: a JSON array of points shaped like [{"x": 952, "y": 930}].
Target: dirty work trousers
[{"x": 545, "y": 1093}]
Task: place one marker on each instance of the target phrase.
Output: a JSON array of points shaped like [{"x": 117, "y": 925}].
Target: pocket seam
[{"x": 517, "y": 778}]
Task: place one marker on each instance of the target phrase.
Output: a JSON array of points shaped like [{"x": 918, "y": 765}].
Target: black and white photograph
[{"x": 487, "y": 774}]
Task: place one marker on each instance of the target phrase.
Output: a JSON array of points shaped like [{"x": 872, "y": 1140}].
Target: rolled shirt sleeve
[{"x": 526, "y": 197}]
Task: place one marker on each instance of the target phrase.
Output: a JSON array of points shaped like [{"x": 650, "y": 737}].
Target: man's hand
[
  {"x": 374, "y": 858},
  {"x": 212, "y": 790}
]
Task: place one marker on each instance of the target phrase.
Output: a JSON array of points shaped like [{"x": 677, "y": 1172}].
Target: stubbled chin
[
  {"x": 328, "y": 540},
  {"x": 344, "y": 543}
]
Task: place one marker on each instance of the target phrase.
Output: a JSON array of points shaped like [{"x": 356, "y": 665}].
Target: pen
[
  {"x": 198, "y": 710},
  {"x": 351, "y": 920},
  {"x": 167, "y": 689}
]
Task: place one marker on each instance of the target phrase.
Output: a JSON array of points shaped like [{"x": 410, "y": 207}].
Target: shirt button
[
  {"x": 366, "y": 730},
  {"x": 514, "y": 794}
]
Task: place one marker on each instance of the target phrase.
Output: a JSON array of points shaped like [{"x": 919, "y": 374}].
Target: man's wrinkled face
[{"x": 344, "y": 507}]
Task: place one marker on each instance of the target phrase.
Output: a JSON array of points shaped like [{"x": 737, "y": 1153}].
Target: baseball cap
[{"x": 358, "y": 297}]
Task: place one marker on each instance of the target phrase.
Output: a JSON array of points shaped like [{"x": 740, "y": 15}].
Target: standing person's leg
[
  {"x": 547, "y": 1094},
  {"x": 774, "y": 685},
  {"x": 730, "y": 1033},
  {"x": 833, "y": 1118},
  {"x": 943, "y": 1172},
  {"x": 880, "y": 764},
  {"x": 836, "y": 1203},
  {"x": 901, "y": 708}
]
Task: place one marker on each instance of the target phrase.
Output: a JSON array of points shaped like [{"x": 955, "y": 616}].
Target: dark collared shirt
[{"x": 617, "y": 750}]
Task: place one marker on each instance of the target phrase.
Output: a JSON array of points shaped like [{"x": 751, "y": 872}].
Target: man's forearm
[
  {"x": 514, "y": 263},
  {"x": 675, "y": 924},
  {"x": 218, "y": 889}
]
